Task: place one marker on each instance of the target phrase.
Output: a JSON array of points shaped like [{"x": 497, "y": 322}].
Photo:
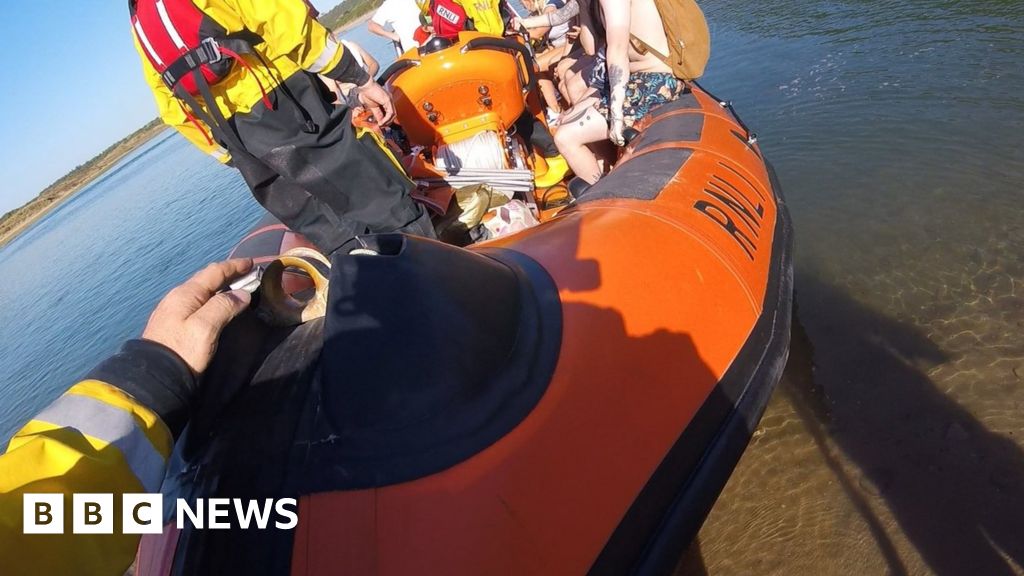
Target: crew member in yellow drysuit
[
  {"x": 274, "y": 119},
  {"x": 113, "y": 432}
]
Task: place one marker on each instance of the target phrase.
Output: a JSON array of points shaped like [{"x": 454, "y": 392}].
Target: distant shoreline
[
  {"x": 349, "y": 14},
  {"x": 355, "y": 23},
  {"x": 19, "y": 219}
]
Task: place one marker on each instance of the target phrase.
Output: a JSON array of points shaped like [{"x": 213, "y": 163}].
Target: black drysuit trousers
[{"x": 305, "y": 164}]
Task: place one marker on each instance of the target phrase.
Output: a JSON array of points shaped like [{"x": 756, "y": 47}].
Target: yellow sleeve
[
  {"x": 172, "y": 113},
  {"x": 93, "y": 439},
  {"x": 289, "y": 31}
]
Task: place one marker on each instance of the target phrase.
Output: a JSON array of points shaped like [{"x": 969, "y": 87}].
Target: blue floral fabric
[{"x": 645, "y": 91}]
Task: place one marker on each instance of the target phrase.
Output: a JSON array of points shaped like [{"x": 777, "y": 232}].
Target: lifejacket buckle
[{"x": 210, "y": 51}]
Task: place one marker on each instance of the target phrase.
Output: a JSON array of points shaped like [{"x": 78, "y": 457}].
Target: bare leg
[
  {"x": 562, "y": 72},
  {"x": 547, "y": 89},
  {"x": 581, "y": 126}
]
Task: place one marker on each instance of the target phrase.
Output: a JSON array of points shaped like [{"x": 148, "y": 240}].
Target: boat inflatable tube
[{"x": 570, "y": 399}]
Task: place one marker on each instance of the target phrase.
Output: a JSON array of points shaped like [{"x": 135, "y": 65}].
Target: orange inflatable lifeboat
[{"x": 569, "y": 399}]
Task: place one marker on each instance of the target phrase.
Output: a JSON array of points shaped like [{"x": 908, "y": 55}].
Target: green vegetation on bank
[
  {"x": 348, "y": 12},
  {"x": 12, "y": 222}
]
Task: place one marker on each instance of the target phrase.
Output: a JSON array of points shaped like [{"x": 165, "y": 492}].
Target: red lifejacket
[
  {"x": 177, "y": 37},
  {"x": 447, "y": 18},
  {"x": 190, "y": 51}
]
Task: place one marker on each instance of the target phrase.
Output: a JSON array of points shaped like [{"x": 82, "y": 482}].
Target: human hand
[
  {"x": 573, "y": 33},
  {"x": 190, "y": 317},
  {"x": 377, "y": 101}
]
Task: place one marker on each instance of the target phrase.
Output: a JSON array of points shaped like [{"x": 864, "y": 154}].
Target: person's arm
[
  {"x": 370, "y": 64},
  {"x": 172, "y": 112},
  {"x": 586, "y": 34},
  {"x": 542, "y": 31},
  {"x": 288, "y": 31},
  {"x": 342, "y": 90},
  {"x": 552, "y": 18},
  {"x": 616, "y": 18},
  {"x": 112, "y": 432},
  {"x": 379, "y": 30}
]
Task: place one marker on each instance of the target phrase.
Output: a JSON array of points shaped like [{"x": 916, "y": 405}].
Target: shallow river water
[{"x": 895, "y": 443}]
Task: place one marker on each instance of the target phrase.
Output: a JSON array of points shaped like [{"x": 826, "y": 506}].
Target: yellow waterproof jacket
[
  {"x": 486, "y": 15},
  {"x": 95, "y": 438},
  {"x": 292, "y": 41}
]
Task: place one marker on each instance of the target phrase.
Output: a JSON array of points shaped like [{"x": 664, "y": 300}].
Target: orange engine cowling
[{"x": 449, "y": 91}]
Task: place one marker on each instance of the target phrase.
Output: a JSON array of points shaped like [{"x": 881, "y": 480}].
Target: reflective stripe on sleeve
[
  {"x": 325, "y": 57},
  {"x": 219, "y": 153},
  {"x": 114, "y": 426}
]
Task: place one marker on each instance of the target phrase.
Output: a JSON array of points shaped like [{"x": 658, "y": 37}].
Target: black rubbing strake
[{"x": 641, "y": 177}]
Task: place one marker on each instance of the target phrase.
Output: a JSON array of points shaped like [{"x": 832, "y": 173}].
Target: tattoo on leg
[{"x": 578, "y": 116}]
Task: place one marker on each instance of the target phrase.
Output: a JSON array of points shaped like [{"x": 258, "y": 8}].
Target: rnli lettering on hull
[{"x": 739, "y": 214}]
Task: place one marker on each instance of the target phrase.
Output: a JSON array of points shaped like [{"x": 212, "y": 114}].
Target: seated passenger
[
  {"x": 556, "y": 41},
  {"x": 635, "y": 82},
  {"x": 566, "y": 68}
]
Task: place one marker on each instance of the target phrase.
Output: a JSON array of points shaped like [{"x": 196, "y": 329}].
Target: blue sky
[{"x": 73, "y": 86}]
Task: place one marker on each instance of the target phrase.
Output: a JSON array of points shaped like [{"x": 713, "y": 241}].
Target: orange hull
[
  {"x": 659, "y": 296},
  {"x": 667, "y": 288}
]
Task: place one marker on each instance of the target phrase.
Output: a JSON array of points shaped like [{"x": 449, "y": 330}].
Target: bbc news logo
[{"x": 143, "y": 513}]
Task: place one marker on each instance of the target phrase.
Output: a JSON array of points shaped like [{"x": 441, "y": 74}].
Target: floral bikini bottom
[{"x": 645, "y": 91}]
